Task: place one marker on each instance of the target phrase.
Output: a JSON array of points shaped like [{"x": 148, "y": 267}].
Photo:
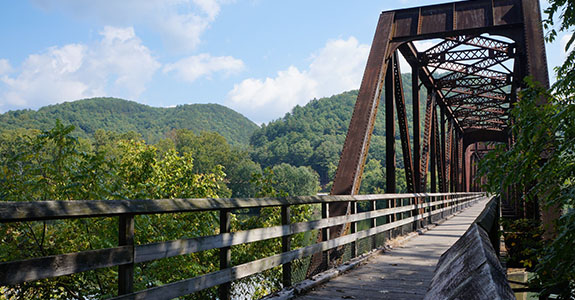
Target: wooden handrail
[
  {"x": 127, "y": 254},
  {"x": 49, "y": 210}
]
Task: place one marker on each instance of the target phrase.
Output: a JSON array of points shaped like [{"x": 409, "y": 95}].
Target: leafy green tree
[
  {"x": 51, "y": 166},
  {"x": 541, "y": 162}
]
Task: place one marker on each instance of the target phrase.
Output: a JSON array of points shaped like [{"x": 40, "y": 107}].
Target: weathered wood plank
[
  {"x": 186, "y": 246},
  {"x": 57, "y": 265},
  {"x": 46, "y": 210},
  {"x": 404, "y": 272},
  {"x": 189, "y": 286}
]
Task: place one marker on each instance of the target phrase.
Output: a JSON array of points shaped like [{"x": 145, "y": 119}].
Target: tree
[
  {"x": 541, "y": 162},
  {"x": 53, "y": 165}
]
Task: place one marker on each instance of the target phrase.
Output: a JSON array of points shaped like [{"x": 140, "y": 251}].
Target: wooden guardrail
[{"x": 422, "y": 206}]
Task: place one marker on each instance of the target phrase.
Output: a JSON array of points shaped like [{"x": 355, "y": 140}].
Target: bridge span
[{"x": 404, "y": 271}]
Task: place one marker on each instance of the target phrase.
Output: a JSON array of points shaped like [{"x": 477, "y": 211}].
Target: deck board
[{"x": 402, "y": 273}]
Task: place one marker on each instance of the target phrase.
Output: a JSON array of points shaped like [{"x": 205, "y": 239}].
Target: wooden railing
[{"x": 421, "y": 207}]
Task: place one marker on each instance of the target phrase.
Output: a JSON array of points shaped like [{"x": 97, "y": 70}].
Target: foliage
[
  {"x": 152, "y": 123},
  {"x": 523, "y": 242},
  {"x": 566, "y": 72},
  {"x": 52, "y": 166},
  {"x": 541, "y": 162},
  {"x": 313, "y": 135}
]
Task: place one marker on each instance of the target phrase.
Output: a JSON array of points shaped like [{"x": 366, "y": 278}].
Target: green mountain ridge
[
  {"x": 313, "y": 135},
  {"x": 119, "y": 115}
]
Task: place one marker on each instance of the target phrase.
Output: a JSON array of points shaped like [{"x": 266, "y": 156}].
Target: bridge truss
[{"x": 484, "y": 49}]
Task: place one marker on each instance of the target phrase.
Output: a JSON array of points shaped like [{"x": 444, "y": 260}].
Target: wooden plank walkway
[{"x": 404, "y": 272}]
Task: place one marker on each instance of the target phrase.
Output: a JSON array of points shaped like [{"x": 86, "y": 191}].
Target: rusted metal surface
[
  {"x": 348, "y": 176},
  {"x": 485, "y": 50},
  {"x": 390, "y": 185},
  {"x": 403, "y": 126},
  {"x": 430, "y": 107}
]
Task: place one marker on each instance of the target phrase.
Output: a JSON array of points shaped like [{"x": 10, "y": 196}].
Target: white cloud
[
  {"x": 193, "y": 67},
  {"x": 179, "y": 22},
  {"x": 118, "y": 64},
  {"x": 564, "y": 40},
  {"x": 5, "y": 67},
  {"x": 336, "y": 68}
]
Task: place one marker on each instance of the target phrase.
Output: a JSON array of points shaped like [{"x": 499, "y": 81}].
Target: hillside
[
  {"x": 313, "y": 135},
  {"x": 119, "y": 115}
]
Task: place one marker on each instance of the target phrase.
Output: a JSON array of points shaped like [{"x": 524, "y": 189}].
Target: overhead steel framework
[{"x": 483, "y": 50}]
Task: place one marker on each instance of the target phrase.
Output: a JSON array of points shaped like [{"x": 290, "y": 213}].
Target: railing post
[
  {"x": 286, "y": 246},
  {"x": 414, "y": 213},
  {"x": 373, "y": 224},
  {"x": 325, "y": 233},
  {"x": 353, "y": 229},
  {"x": 225, "y": 254},
  {"x": 430, "y": 211},
  {"x": 126, "y": 238}
]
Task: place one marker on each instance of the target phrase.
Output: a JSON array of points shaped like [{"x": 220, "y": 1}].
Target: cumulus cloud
[
  {"x": 191, "y": 68},
  {"x": 118, "y": 64},
  {"x": 335, "y": 68},
  {"x": 180, "y": 22},
  {"x": 5, "y": 67}
]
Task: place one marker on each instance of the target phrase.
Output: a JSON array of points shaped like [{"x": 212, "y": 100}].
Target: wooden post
[
  {"x": 373, "y": 225},
  {"x": 126, "y": 238},
  {"x": 325, "y": 233},
  {"x": 225, "y": 254},
  {"x": 353, "y": 229},
  {"x": 286, "y": 246}
]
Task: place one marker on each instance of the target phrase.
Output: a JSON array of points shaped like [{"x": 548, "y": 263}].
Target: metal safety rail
[{"x": 412, "y": 209}]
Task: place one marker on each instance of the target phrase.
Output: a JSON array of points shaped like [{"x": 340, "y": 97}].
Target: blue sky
[{"x": 259, "y": 57}]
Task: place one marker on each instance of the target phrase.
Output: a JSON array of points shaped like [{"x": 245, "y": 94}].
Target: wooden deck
[{"x": 402, "y": 273}]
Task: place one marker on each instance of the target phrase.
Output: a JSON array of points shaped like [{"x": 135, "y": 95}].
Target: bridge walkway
[{"x": 404, "y": 272}]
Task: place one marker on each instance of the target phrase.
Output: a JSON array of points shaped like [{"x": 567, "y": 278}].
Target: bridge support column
[{"x": 390, "y": 186}]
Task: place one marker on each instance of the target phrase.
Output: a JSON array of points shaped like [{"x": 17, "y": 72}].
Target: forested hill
[
  {"x": 313, "y": 135},
  {"x": 112, "y": 114}
]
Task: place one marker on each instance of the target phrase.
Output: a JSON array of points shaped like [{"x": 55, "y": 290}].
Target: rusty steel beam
[
  {"x": 410, "y": 54},
  {"x": 535, "y": 43},
  {"x": 442, "y": 151},
  {"x": 350, "y": 169},
  {"x": 390, "y": 184},
  {"x": 403, "y": 126},
  {"x": 416, "y": 127},
  {"x": 456, "y": 19},
  {"x": 438, "y": 153},
  {"x": 430, "y": 106}
]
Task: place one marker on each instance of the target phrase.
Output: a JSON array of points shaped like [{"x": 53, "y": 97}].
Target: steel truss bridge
[{"x": 483, "y": 50}]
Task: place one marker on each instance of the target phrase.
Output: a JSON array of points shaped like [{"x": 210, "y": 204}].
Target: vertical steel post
[
  {"x": 433, "y": 149},
  {"x": 442, "y": 151},
  {"x": 416, "y": 127},
  {"x": 390, "y": 186}
]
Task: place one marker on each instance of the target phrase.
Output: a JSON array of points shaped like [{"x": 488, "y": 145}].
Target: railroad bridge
[{"x": 483, "y": 51}]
